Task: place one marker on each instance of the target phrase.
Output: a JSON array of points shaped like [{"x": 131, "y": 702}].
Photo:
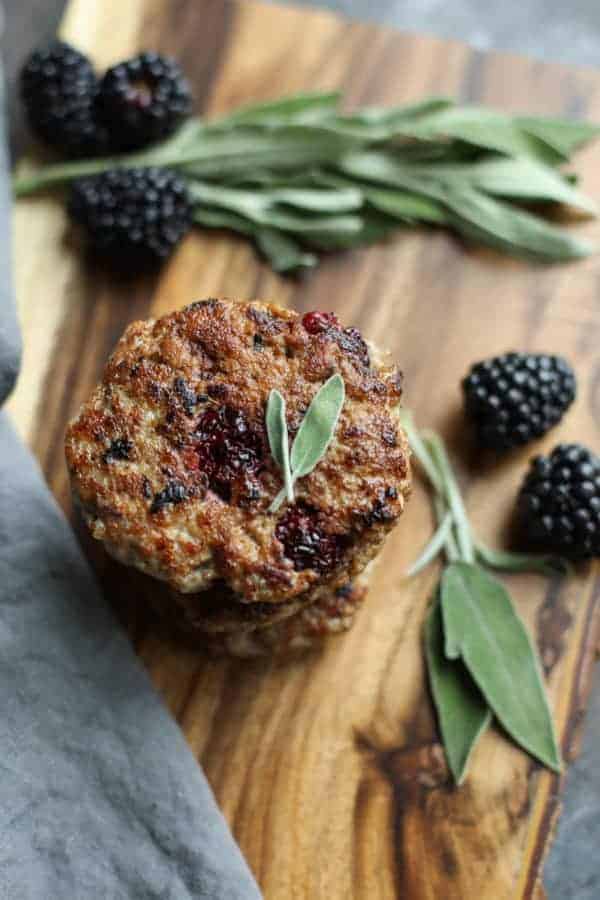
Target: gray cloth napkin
[{"x": 100, "y": 797}]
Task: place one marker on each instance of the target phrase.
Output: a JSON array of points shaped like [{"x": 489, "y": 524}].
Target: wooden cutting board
[{"x": 329, "y": 768}]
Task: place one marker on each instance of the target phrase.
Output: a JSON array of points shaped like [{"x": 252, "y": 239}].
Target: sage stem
[{"x": 453, "y": 496}]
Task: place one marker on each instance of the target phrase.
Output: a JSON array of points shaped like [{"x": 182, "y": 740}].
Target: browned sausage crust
[
  {"x": 307, "y": 629},
  {"x": 170, "y": 464}
]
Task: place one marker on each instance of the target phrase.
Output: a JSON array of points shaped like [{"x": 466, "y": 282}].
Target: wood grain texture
[{"x": 328, "y": 767}]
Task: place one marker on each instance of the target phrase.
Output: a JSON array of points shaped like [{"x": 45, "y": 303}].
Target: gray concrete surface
[{"x": 548, "y": 29}]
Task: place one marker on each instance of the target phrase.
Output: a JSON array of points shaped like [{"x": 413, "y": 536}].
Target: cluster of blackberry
[
  {"x": 142, "y": 212},
  {"x": 513, "y": 399},
  {"x": 134, "y": 104}
]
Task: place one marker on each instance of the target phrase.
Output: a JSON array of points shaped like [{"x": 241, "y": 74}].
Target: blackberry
[
  {"x": 559, "y": 502},
  {"x": 306, "y": 542},
  {"x": 514, "y": 398},
  {"x": 133, "y": 216},
  {"x": 143, "y": 100},
  {"x": 59, "y": 89}
]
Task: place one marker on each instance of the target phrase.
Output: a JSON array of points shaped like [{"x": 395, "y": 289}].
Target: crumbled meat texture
[{"x": 188, "y": 499}]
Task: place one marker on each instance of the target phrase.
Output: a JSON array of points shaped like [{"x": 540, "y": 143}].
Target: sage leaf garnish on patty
[
  {"x": 481, "y": 662},
  {"x": 312, "y": 438},
  {"x": 296, "y": 175},
  {"x": 277, "y": 432}
]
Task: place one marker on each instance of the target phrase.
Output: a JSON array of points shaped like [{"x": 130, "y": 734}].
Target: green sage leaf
[
  {"x": 232, "y": 152},
  {"x": 472, "y": 212},
  {"x": 489, "y": 130},
  {"x": 518, "y": 178},
  {"x": 377, "y": 115},
  {"x": 318, "y": 427},
  {"x": 298, "y": 109},
  {"x": 221, "y": 218},
  {"x": 277, "y": 432},
  {"x": 563, "y": 135},
  {"x": 515, "y": 231},
  {"x": 373, "y": 227},
  {"x": 261, "y": 207},
  {"x": 283, "y": 253},
  {"x": 406, "y": 206},
  {"x": 482, "y": 628},
  {"x": 326, "y": 201},
  {"x": 525, "y": 179},
  {"x": 463, "y": 715},
  {"x": 453, "y": 495}
]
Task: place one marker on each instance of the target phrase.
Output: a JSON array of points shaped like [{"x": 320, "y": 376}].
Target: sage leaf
[
  {"x": 562, "y": 135},
  {"x": 233, "y": 152},
  {"x": 340, "y": 200},
  {"x": 297, "y": 109},
  {"x": 261, "y": 207},
  {"x": 373, "y": 227},
  {"x": 515, "y": 231},
  {"x": 489, "y": 130},
  {"x": 277, "y": 433},
  {"x": 385, "y": 116},
  {"x": 453, "y": 495},
  {"x": 318, "y": 427},
  {"x": 221, "y": 218},
  {"x": 406, "y": 206},
  {"x": 482, "y": 628},
  {"x": 463, "y": 715},
  {"x": 282, "y": 252},
  {"x": 526, "y": 180},
  {"x": 519, "y": 178},
  {"x": 472, "y": 212},
  {"x": 508, "y": 561},
  {"x": 376, "y": 125}
]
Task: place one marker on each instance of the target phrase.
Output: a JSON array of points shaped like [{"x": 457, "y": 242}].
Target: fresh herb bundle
[
  {"x": 297, "y": 175},
  {"x": 480, "y": 660},
  {"x": 312, "y": 438}
]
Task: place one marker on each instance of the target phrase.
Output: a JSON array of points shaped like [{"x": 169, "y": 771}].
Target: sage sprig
[
  {"x": 482, "y": 628},
  {"x": 481, "y": 663},
  {"x": 312, "y": 439},
  {"x": 296, "y": 175}
]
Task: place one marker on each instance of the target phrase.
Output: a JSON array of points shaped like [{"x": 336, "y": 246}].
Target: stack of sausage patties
[{"x": 171, "y": 466}]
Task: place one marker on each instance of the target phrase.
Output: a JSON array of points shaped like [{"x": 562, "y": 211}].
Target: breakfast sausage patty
[
  {"x": 170, "y": 464},
  {"x": 307, "y": 629}
]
